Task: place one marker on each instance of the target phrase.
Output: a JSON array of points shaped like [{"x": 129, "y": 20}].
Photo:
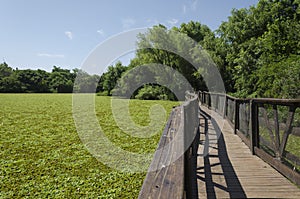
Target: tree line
[
  {"x": 36, "y": 81},
  {"x": 59, "y": 80},
  {"x": 257, "y": 51}
]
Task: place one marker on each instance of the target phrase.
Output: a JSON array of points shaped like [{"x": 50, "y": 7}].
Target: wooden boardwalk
[{"x": 227, "y": 169}]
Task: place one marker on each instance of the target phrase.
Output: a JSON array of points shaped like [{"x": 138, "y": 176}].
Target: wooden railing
[
  {"x": 270, "y": 128},
  {"x": 172, "y": 173}
]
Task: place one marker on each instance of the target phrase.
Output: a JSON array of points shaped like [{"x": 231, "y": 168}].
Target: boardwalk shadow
[{"x": 220, "y": 159}]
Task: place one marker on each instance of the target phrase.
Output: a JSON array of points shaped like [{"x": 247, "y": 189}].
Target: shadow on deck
[{"x": 215, "y": 155}]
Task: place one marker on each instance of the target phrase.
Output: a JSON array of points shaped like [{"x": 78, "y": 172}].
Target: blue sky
[{"x": 42, "y": 33}]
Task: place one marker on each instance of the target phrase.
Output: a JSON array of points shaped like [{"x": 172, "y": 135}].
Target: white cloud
[
  {"x": 184, "y": 9},
  {"x": 128, "y": 23},
  {"x": 69, "y": 34},
  {"x": 190, "y": 6},
  {"x": 172, "y": 22},
  {"x": 50, "y": 55},
  {"x": 100, "y": 32}
]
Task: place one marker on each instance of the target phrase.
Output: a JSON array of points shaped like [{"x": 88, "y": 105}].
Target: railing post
[
  {"x": 191, "y": 136},
  {"x": 254, "y": 135},
  {"x": 225, "y": 106},
  {"x": 236, "y": 115},
  {"x": 217, "y": 103},
  {"x": 201, "y": 96},
  {"x": 209, "y": 100}
]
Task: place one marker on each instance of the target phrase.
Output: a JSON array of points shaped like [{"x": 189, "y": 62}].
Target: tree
[
  {"x": 281, "y": 79},
  {"x": 170, "y": 48},
  {"x": 35, "y": 81},
  {"x": 111, "y": 77},
  {"x": 61, "y": 80},
  {"x": 85, "y": 83},
  {"x": 9, "y": 82},
  {"x": 258, "y": 37}
]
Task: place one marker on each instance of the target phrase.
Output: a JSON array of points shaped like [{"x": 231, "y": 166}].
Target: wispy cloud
[
  {"x": 184, "y": 9},
  {"x": 50, "y": 55},
  {"x": 69, "y": 34},
  {"x": 191, "y": 5},
  {"x": 172, "y": 22},
  {"x": 100, "y": 32},
  {"x": 128, "y": 23}
]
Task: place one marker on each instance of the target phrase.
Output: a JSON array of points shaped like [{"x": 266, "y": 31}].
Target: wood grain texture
[{"x": 165, "y": 178}]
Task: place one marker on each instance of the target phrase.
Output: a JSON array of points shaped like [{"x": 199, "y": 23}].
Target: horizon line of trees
[
  {"x": 39, "y": 81},
  {"x": 257, "y": 52},
  {"x": 59, "y": 80}
]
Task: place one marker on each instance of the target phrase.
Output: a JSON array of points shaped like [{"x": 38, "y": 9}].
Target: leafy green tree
[
  {"x": 5, "y": 70},
  {"x": 8, "y": 80},
  {"x": 162, "y": 46},
  {"x": 110, "y": 78},
  {"x": 85, "y": 83},
  {"x": 154, "y": 92},
  {"x": 61, "y": 80},
  {"x": 259, "y": 37},
  {"x": 281, "y": 79},
  {"x": 35, "y": 81},
  {"x": 194, "y": 30}
]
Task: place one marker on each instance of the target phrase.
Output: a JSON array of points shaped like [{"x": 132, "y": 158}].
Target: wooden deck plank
[{"x": 230, "y": 170}]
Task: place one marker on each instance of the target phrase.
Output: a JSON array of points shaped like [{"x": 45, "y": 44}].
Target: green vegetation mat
[{"x": 41, "y": 154}]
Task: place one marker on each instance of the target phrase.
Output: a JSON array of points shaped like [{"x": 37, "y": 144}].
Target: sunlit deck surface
[{"x": 227, "y": 169}]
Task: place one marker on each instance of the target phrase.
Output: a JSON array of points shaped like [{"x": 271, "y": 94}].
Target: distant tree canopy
[
  {"x": 257, "y": 52},
  {"x": 40, "y": 81}
]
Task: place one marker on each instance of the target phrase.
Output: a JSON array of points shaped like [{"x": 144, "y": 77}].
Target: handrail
[
  {"x": 191, "y": 143},
  {"x": 175, "y": 176},
  {"x": 257, "y": 121}
]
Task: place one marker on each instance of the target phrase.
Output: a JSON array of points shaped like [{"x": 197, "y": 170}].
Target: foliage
[
  {"x": 8, "y": 79},
  {"x": 85, "y": 83},
  {"x": 150, "y": 92},
  {"x": 111, "y": 77},
  {"x": 162, "y": 46},
  {"x": 259, "y": 41},
  {"x": 39, "y": 81},
  {"x": 61, "y": 80},
  {"x": 280, "y": 79},
  {"x": 41, "y": 154},
  {"x": 156, "y": 45},
  {"x": 102, "y": 93}
]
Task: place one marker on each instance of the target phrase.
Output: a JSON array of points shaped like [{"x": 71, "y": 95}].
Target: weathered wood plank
[{"x": 165, "y": 176}]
